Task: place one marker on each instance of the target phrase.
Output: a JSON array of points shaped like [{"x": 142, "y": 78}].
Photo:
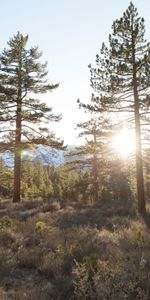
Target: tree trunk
[
  {"x": 17, "y": 175},
  {"x": 95, "y": 172},
  {"x": 139, "y": 160},
  {"x": 147, "y": 181},
  {"x": 95, "y": 182},
  {"x": 17, "y": 166},
  {"x": 139, "y": 163}
]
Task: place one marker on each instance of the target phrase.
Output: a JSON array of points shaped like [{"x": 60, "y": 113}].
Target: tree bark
[
  {"x": 95, "y": 172},
  {"x": 17, "y": 166},
  {"x": 139, "y": 160},
  {"x": 147, "y": 183}
]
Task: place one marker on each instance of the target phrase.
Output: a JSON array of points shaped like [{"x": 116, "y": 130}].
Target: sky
[{"x": 70, "y": 34}]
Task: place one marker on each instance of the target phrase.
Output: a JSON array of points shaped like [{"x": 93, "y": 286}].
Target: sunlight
[
  {"x": 124, "y": 142},
  {"x": 28, "y": 152}
]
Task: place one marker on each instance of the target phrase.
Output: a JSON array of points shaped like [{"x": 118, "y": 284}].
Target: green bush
[
  {"x": 5, "y": 222},
  {"x": 41, "y": 227},
  {"x": 91, "y": 261}
]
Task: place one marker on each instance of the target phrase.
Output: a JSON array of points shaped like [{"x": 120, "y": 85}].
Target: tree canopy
[{"x": 22, "y": 115}]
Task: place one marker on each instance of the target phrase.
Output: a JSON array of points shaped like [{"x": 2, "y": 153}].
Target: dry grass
[{"x": 100, "y": 252}]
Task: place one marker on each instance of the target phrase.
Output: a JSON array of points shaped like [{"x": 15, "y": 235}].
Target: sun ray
[{"x": 124, "y": 142}]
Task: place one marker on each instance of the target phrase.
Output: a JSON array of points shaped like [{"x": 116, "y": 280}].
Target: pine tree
[
  {"x": 91, "y": 155},
  {"x": 6, "y": 178},
  {"x": 22, "y": 76},
  {"x": 121, "y": 80}
]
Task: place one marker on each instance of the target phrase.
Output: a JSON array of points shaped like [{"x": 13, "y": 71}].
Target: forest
[{"x": 77, "y": 230}]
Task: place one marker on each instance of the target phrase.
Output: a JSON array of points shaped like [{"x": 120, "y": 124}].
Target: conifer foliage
[
  {"x": 91, "y": 155},
  {"x": 121, "y": 80},
  {"x": 22, "y": 77}
]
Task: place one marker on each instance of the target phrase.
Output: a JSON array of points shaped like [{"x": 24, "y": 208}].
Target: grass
[{"x": 75, "y": 252}]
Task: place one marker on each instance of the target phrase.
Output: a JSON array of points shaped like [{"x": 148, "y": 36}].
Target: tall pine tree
[
  {"x": 22, "y": 115},
  {"x": 121, "y": 79}
]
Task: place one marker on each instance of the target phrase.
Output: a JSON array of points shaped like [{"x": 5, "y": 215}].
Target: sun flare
[{"x": 124, "y": 142}]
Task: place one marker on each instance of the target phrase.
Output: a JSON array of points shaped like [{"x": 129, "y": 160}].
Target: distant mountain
[
  {"x": 8, "y": 158},
  {"x": 47, "y": 155}
]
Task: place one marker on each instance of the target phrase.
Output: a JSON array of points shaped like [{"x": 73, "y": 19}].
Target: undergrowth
[{"x": 73, "y": 253}]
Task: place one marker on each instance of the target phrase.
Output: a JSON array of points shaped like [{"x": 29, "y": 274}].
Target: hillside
[
  {"x": 47, "y": 155},
  {"x": 73, "y": 252}
]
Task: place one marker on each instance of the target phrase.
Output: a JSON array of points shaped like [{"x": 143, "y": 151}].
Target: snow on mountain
[
  {"x": 47, "y": 155},
  {"x": 8, "y": 158}
]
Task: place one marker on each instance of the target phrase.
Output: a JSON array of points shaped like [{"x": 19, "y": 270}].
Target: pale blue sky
[{"x": 70, "y": 33}]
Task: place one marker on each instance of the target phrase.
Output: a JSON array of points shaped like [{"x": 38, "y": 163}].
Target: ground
[{"x": 55, "y": 251}]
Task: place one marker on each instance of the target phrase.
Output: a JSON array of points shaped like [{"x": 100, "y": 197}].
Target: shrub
[
  {"x": 91, "y": 261},
  {"x": 51, "y": 265},
  {"x": 29, "y": 258},
  {"x": 41, "y": 227},
  {"x": 5, "y": 222}
]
